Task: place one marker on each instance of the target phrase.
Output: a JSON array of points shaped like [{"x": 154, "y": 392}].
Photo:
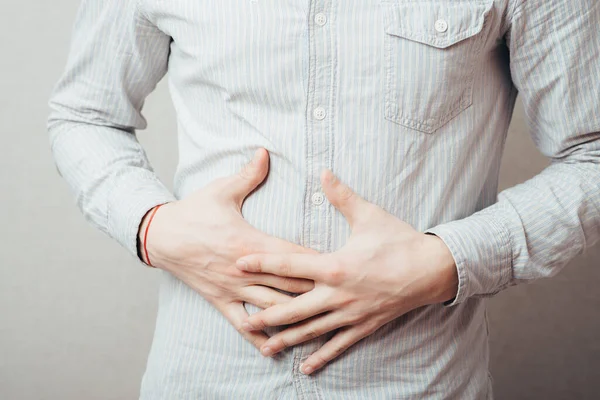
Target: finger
[
  {"x": 298, "y": 309},
  {"x": 292, "y": 285},
  {"x": 263, "y": 297},
  {"x": 342, "y": 197},
  {"x": 236, "y": 314},
  {"x": 270, "y": 244},
  {"x": 248, "y": 178},
  {"x": 309, "y": 266},
  {"x": 337, "y": 345},
  {"x": 308, "y": 330}
]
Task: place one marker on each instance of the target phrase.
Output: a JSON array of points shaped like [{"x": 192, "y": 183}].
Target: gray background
[{"x": 77, "y": 314}]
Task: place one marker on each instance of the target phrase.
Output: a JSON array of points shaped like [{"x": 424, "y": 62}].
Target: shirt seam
[
  {"x": 516, "y": 14},
  {"x": 515, "y": 9},
  {"x": 139, "y": 11}
]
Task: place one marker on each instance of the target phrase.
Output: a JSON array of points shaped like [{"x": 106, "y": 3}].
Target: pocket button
[{"x": 441, "y": 26}]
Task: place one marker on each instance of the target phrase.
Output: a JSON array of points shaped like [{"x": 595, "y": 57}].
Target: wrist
[
  {"x": 444, "y": 267},
  {"x": 142, "y": 235}
]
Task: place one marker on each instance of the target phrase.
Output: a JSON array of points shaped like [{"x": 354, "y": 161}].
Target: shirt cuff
[
  {"x": 482, "y": 250},
  {"x": 132, "y": 197}
]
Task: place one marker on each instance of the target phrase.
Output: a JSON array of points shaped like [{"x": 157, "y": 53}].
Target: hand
[
  {"x": 198, "y": 239},
  {"x": 384, "y": 270}
]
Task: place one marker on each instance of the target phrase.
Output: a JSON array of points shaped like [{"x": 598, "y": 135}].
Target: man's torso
[{"x": 406, "y": 101}]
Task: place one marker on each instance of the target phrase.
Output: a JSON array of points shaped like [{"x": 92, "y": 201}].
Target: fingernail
[
  {"x": 306, "y": 370},
  {"x": 247, "y": 327},
  {"x": 267, "y": 352},
  {"x": 241, "y": 264}
]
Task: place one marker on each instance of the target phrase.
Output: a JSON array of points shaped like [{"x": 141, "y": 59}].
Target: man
[{"x": 367, "y": 230}]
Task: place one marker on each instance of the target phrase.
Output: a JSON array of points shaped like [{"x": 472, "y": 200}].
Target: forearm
[
  {"x": 116, "y": 58},
  {"x": 537, "y": 227},
  {"x": 108, "y": 172},
  {"x": 531, "y": 232}
]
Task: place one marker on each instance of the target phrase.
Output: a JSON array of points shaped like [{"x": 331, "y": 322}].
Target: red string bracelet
[{"x": 146, "y": 233}]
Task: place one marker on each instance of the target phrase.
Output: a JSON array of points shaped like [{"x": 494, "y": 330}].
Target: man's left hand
[{"x": 385, "y": 270}]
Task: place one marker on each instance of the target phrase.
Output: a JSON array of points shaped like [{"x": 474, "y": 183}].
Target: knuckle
[
  {"x": 321, "y": 359},
  {"x": 337, "y": 350},
  {"x": 344, "y": 302},
  {"x": 354, "y": 318},
  {"x": 289, "y": 284},
  {"x": 284, "y": 343},
  {"x": 267, "y": 303},
  {"x": 284, "y": 268},
  {"x": 311, "y": 334},
  {"x": 259, "y": 323},
  {"x": 345, "y": 193},
  {"x": 247, "y": 172},
  {"x": 258, "y": 266},
  {"x": 336, "y": 274},
  {"x": 295, "y": 317}
]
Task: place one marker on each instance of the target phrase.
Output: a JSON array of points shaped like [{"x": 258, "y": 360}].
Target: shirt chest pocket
[{"x": 431, "y": 52}]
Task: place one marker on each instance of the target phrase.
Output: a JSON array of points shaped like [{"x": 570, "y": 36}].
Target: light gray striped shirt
[{"x": 406, "y": 101}]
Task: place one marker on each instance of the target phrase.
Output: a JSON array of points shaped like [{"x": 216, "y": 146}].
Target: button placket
[
  {"x": 318, "y": 122},
  {"x": 318, "y": 146}
]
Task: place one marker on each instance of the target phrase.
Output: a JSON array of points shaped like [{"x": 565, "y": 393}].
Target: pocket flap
[{"x": 436, "y": 23}]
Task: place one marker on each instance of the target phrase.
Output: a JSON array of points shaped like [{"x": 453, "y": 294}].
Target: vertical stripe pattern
[{"x": 406, "y": 101}]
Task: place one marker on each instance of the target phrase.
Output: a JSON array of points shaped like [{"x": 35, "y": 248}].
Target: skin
[
  {"x": 385, "y": 270},
  {"x": 198, "y": 239}
]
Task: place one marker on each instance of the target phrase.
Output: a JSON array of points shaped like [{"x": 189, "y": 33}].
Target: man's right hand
[{"x": 198, "y": 240}]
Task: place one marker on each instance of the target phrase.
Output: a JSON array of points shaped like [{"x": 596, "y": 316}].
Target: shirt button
[
  {"x": 318, "y": 198},
  {"x": 441, "y": 25},
  {"x": 320, "y": 19},
  {"x": 319, "y": 113}
]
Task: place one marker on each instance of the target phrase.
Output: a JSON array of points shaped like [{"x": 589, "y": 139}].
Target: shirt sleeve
[
  {"x": 537, "y": 227},
  {"x": 116, "y": 58}
]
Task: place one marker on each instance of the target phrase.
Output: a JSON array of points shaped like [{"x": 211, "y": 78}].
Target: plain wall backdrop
[{"x": 77, "y": 313}]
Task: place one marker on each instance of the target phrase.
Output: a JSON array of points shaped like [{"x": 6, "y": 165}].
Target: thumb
[
  {"x": 342, "y": 197},
  {"x": 249, "y": 177}
]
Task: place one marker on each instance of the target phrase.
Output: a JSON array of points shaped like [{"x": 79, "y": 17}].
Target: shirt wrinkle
[{"x": 409, "y": 104}]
